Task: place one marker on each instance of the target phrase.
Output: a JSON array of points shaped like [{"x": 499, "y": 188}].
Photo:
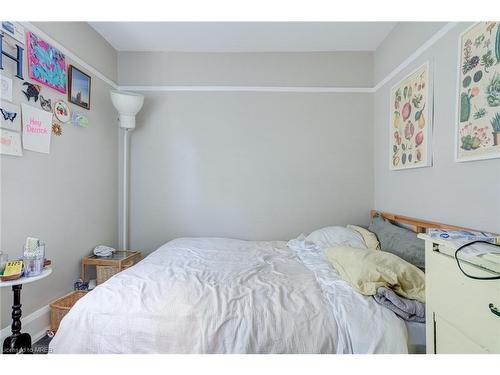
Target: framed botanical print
[
  {"x": 79, "y": 87},
  {"x": 411, "y": 121},
  {"x": 478, "y": 96}
]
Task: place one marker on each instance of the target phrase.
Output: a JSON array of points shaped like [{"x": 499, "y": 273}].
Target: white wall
[
  {"x": 351, "y": 69},
  {"x": 67, "y": 198},
  {"x": 248, "y": 165},
  {"x": 466, "y": 194}
]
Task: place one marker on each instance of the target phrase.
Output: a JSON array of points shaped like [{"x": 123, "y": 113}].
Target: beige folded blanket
[{"x": 368, "y": 270}]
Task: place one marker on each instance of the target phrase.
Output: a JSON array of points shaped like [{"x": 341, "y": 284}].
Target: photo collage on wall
[{"x": 29, "y": 123}]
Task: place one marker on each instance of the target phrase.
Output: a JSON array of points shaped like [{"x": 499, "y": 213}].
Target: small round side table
[{"x": 19, "y": 342}]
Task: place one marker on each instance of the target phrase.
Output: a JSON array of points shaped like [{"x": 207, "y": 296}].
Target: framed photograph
[
  {"x": 411, "y": 121},
  {"x": 478, "y": 93},
  {"x": 79, "y": 87},
  {"x": 46, "y": 64},
  {"x": 14, "y": 29}
]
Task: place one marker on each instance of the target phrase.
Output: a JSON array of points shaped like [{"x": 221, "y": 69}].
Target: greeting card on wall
[
  {"x": 37, "y": 128},
  {"x": 46, "y": 64},
  {"x": 10, "y": 117},
  {"x": 478, "y": 117},
  {"x": 5, "y": 88},
  {"x": 411, "y": 121},
  {"x": 10, "y": 143}
]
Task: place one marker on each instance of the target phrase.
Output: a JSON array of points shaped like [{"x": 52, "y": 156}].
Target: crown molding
[{"x": 218, "y": 88}]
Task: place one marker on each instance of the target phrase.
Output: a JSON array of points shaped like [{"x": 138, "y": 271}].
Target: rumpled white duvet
[{"x": 213, "y": 295}]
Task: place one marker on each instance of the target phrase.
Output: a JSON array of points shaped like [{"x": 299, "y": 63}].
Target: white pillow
[
  {"x": 336, "y": 236},
  {"x": 370, "y": 238}
]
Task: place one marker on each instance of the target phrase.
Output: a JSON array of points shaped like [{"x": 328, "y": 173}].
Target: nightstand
[
  {"x": 111, "y": 265},
  {"x": 462, "y": 313}
]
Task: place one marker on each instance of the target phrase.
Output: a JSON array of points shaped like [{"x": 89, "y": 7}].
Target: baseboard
[{"x": 35, "y": 324}]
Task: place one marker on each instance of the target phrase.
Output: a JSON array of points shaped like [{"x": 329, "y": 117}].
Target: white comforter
[{"x": 201, "y": 295}]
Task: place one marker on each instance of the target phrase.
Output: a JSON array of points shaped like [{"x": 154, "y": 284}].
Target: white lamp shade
[{"x": 128, "y": 104}]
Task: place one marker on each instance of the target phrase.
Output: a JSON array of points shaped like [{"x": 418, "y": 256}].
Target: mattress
[{"x": 215, "y": 295}]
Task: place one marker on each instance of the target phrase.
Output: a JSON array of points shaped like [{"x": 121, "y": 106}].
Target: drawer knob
[{"x": 494, "y": 310}]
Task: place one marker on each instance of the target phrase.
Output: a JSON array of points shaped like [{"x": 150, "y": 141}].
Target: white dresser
[{"x": 460, "y": 311}]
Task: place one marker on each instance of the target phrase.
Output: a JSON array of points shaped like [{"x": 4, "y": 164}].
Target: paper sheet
[
  {"x": 10, "y": 143},
  {"x": 37, "y": 129},
  {"x": 476, "y": 249},
  {"x": 5, "y": 88}
]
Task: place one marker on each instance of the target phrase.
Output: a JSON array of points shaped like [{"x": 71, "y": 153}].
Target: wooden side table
[
  {"x": 19, "y": 342},
  {"x": 108, "y": 266}
]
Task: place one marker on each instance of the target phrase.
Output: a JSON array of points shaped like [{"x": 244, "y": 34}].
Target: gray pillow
[{"x": 399, "y": 241}]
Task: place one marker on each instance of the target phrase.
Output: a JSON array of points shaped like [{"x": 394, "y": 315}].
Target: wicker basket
[
  {"x": 60, "y": 307},
  {"x": 105, "y": 272}
]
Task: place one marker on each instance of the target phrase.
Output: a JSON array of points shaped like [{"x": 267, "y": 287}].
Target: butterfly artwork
[
  {"x": 10, "y": 117},
  {"x": 46, "y": 64},
  {"x": 45, "y": 104},
  {"x": 32, "y": 91}
]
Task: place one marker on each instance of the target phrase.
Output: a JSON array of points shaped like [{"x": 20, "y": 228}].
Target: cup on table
[{"x": 33, "y": 260}]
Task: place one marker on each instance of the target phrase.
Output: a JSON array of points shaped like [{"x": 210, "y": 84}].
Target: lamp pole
[{"x": 125, "y": 202}]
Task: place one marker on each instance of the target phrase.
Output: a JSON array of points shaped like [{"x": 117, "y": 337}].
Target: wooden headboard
[{"x": 417, "y": 225}]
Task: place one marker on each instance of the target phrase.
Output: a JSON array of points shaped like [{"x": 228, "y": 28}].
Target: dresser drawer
[
  {"x": 450, "y": 340},
  {"x": 462, "y": 302}
]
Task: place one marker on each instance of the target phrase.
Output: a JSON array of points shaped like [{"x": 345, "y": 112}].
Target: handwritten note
[
  {"x": 5, "y": 88},
  {"x": 37, "y": 129},
  {"x": 10, "y": 143}
]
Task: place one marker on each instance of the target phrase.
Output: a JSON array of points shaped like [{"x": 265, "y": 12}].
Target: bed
[{"x": 216, "y": 295}]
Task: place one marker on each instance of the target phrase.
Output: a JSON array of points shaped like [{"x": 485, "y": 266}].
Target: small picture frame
[{"x": 79, "y": 87}]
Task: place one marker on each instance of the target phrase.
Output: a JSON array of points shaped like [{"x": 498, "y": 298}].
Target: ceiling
[{"x": 244, "y": 36}]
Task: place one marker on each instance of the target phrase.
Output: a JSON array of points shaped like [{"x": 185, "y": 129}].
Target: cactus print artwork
[
  {"x": 411, "y": 118},
  {"x": 478, "y": 118},
  {"x": 46, "y": 64}
]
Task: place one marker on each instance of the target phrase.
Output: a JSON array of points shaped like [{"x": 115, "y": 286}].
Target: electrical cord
[{"x": 465, "y": 273}]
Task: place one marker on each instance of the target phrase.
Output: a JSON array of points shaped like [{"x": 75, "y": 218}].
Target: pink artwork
[{"x": 46, "y": 64}]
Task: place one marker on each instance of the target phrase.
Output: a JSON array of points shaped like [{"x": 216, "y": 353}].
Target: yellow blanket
[{"x": 367, "y": 270}]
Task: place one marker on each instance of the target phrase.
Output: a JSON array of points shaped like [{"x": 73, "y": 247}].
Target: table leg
[{"x": 17, "y": 342}]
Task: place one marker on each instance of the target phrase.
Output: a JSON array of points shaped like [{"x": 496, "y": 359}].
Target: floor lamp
[{"x": 128, "y": 105}]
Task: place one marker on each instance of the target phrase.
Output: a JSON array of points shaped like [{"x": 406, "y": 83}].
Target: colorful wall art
[
  {"x": 411, "y": 121},
  {"x": 478, "y": 118},
  {"x": 46, "y": 64}
]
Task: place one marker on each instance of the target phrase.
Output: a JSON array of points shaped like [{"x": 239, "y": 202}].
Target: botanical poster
[
  {"x": 411, "y": 114},
  {"x": 478, "y": 129}
]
